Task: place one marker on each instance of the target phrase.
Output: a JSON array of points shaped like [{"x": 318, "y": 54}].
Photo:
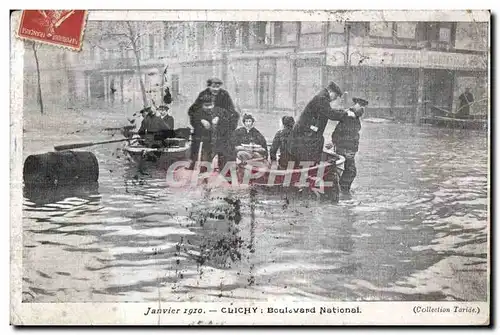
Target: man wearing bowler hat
[
  {"x": 345, "y": 138},
  {"x": 306, "y": 140}
]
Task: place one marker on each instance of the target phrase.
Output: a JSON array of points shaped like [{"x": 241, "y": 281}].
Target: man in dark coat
[
  {"x": 466, "y": 99},
  {"x": 224, "y": 123},
  {"x": 221, "y": 97},
  {"x": 307, "y": 140},
  {"x": 345, "y": 138},
  {"x": 281, "y": 142},
  {"x": 153, "y": 128}
]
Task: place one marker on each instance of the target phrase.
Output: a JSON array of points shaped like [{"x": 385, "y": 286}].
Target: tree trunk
[
  {"x": 40, "y": 102},
  {"x": 138, "y": 64}
]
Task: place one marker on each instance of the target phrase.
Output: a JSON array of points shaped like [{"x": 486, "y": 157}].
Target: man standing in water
[
  {"x": 221, "y": 100},
  {"x": 345, "y": 138},
  {"x": 306, "y": 144}
]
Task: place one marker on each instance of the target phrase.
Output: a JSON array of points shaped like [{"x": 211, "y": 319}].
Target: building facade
[{"x": 403, "y": 68}]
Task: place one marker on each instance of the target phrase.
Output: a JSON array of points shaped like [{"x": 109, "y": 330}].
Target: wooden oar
[
  {"x": 85, "y": 144},
  {"x": 89, "y": 144}
]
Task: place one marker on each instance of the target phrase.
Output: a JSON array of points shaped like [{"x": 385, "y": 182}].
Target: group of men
[{"x": 214, "y": 120}]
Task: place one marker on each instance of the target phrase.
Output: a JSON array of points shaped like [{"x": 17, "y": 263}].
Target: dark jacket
[
  {"x": 346, "y": 133},
  {"x": 464, "y": 107},
  {"x": 228, "y": 122},
  {"x": 222, "y": 100},
  {"x": 242, "y": 136},
  {"x": 281, "y": 142},
  {"x": 169, "y": 120},
  {"x": 307, "y": 144},
  {"x": 153, "y": 124},
  {"x": 200, "y": 133}
]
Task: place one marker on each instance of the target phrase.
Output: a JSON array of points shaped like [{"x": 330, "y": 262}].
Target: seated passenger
[
  {"x": 166, "y": 115},
  {"x": 248, "y": 142},
  {"x": 153, "y": 128},
  {"x": 281, "y": 143}
]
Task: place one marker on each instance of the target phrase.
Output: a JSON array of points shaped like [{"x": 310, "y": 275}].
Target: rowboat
[
  {"x": 321, "y": 178},
  {"x": 177, "y": 150}
]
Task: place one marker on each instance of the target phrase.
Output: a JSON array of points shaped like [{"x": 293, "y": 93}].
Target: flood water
[{"x": 416, "y": 229}]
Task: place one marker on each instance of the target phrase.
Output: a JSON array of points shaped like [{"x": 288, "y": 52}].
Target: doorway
[{"x": 265, "y": 91}]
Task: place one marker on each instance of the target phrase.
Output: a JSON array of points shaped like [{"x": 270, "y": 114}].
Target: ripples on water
[{"x": 416, "y": 230}]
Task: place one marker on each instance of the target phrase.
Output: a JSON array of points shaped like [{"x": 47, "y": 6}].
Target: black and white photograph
[{"x": 246, "y": 167}]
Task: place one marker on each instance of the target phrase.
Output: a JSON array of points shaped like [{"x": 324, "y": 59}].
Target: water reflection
[{"x": 43, "y": 195}]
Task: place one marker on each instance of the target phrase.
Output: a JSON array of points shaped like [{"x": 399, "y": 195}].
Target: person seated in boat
[
  {"x": 202, "y": 121},
  {"x": 248, "y": 142},
  {"x": 345, "y": 138},
  {"x": 166, "y": 115},
  {"x": 153, "y": 128},
  {"x": 281, "y": 143}
]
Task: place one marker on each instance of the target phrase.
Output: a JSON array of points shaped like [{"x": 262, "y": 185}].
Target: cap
[
  {"x": 146, "y": 110},
  {"x": 214, "y": 81},
  {"x": 287, "y": 121},
  {"x": 334, "y": 88},
  {"x": 360, "y": 101}
]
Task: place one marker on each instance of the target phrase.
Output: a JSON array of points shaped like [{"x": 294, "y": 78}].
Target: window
[
  {"x": 245, "y": 35},
  {"x": 200, "y": 36},
  {"x": 175, "y": 86},
  {"x": 336, "y": 33},
  {"x": 289, "y": 32},
  {"x": 284, "y": 33},
  {"x": 311, "y": 27},
  {"x": 406, "y": 30},
  {"x": 381, "y": 29},
  {"x": 257, "y": 33},
  {"x": 336, "y": 27},
  {"x": 229, "y": 34},
  {"x": 311, "y": 35},
  {"x": 444, "y": 35}
]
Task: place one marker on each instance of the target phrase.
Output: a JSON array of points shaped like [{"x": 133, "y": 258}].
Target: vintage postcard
[{"x": 250, "y": 167}]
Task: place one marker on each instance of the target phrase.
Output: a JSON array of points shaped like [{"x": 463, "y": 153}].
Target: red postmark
[{"x": 57, "y": 27}]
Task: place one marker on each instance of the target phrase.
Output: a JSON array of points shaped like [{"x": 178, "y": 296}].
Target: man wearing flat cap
[
  {"x": 307, "y": 140},
  {"x": 345, "y": 138},
  {"x": 228, "y": 123},
  {"x": 221, "y": 99}
]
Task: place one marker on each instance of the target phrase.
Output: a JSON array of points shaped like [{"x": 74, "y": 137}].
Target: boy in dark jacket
[
  {"x": 345, "y": 138},
  {"x": 249, "y": 135},
  {"x": 281, "y": 142}
]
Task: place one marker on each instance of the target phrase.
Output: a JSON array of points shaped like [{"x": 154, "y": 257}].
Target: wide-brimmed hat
[{"x": 361, "y": 102}]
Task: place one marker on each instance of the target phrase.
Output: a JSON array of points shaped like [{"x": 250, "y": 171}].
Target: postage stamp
[
  {"x": 56, "y": 27},
  {"x": 275, "y": 167}
]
